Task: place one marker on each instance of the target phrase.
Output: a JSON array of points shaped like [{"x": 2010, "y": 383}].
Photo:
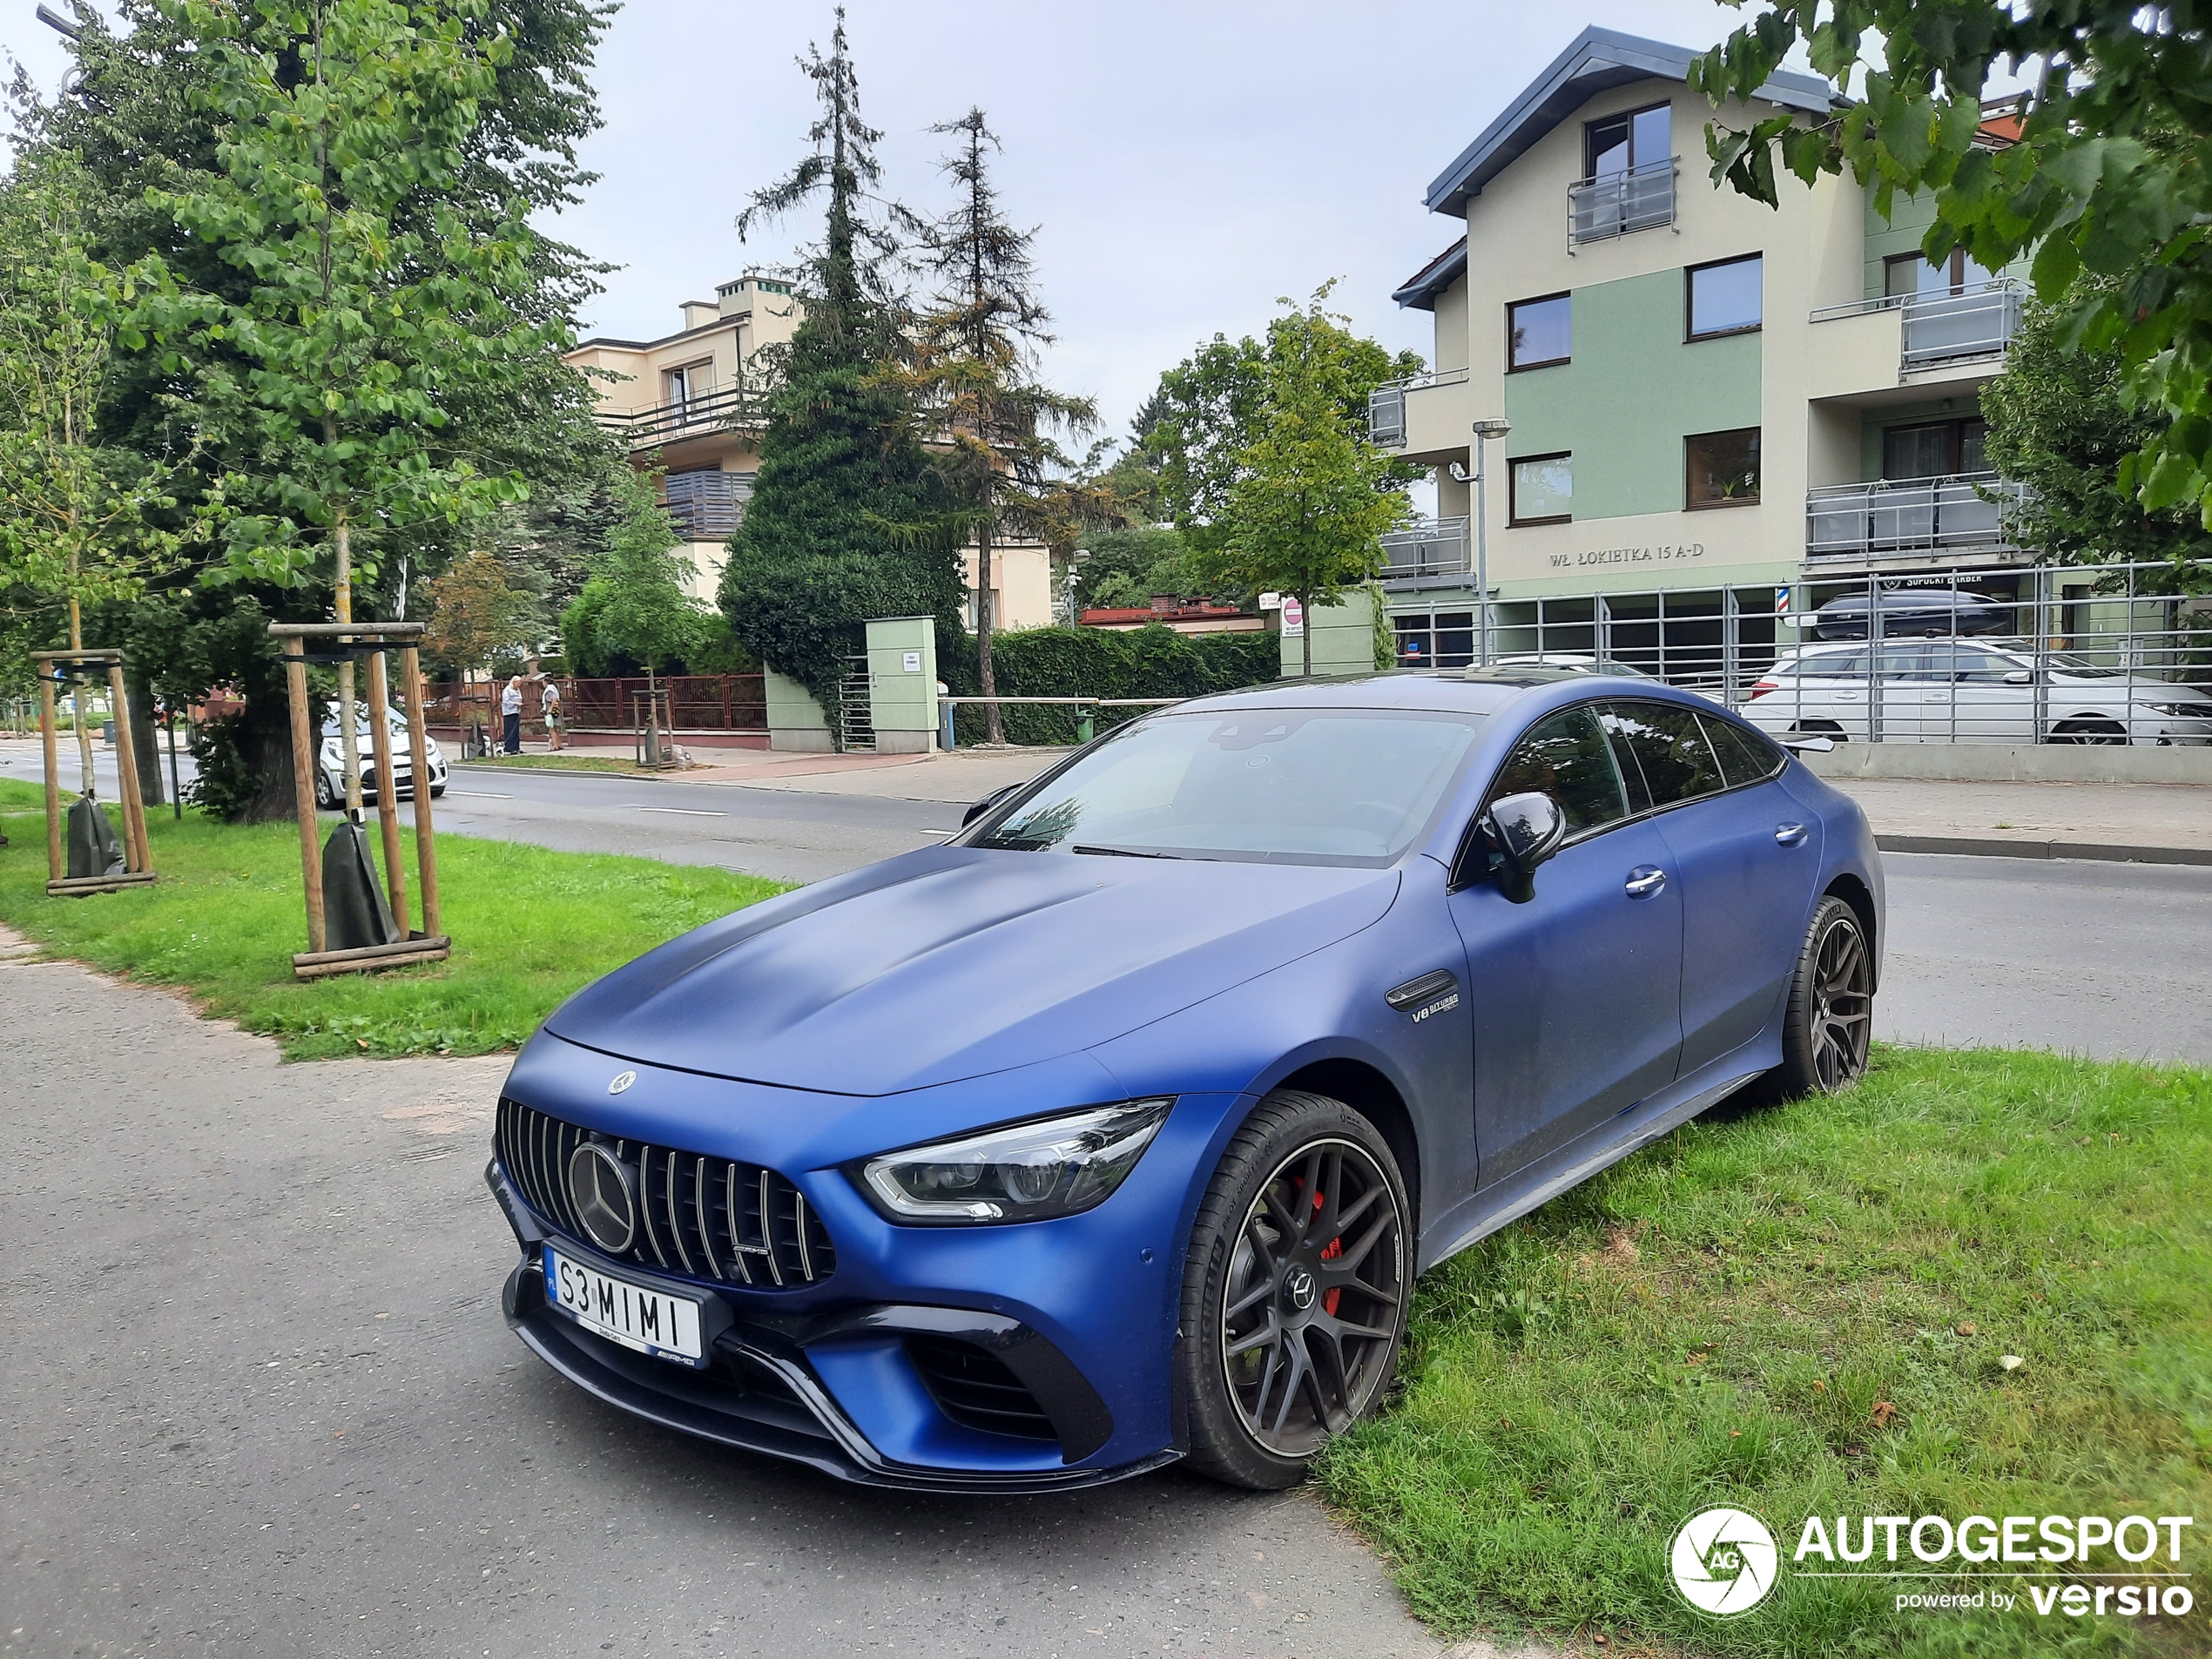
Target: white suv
[{"x": 1946, "y": 690}]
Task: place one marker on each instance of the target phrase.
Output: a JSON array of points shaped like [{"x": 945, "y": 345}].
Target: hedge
[{"x": 1151, "y": 661}]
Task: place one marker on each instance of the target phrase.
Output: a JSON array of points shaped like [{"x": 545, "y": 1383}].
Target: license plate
[{"x": 649, "y": 1321}]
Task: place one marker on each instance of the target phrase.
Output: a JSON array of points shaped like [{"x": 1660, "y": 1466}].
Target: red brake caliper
[{"x": 1335, "y": 1249}]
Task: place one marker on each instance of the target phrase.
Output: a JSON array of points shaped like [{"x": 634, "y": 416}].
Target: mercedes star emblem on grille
[
  {"x": 621, "y": 1080},
  {"x": 599, "y": 1185}
]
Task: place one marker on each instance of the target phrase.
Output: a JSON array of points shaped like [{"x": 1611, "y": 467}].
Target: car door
[
  {"x": 1746, "y": 857},
  {"x": 1987, "y": 706},
  {"x": 1576, "y": 993},
  {"x": 1834, "y": 692},
  {"x": 1912, "y": 698}
]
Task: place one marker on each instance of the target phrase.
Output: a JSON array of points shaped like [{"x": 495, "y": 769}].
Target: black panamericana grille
[
  {"x": 704, "y": 1217},
  {"x": 976, "y": 1389}
]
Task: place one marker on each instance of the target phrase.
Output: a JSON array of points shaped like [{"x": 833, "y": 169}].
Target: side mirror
[
  {"x": 986, "y": 804},
  {"x": 1527, "y": 830},
  {"x": 2019, "y": 677}
]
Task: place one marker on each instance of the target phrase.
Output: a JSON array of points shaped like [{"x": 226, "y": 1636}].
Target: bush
[
  {"x": 228, "y": 784},
  {"x": 1151, "y": 661}
]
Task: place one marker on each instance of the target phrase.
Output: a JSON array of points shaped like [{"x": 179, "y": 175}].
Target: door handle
[
  {"x": 1791, "y": 834},
  {"x": 1644, "y": 881}
]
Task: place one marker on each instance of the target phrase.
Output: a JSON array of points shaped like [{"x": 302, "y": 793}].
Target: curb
[
  {"x": 1986, "y": 847},
  {"x": 549, "y": 772}
]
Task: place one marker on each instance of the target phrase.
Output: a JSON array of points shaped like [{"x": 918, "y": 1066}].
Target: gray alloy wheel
[
  {"x": 2106, "y": 732},
  {"x": 1831, "y": 1020},
  {"x": 326, "y": 798},
  {"x": 1294, "y": 1291}
]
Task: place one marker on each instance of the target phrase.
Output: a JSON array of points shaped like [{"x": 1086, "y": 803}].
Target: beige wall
[
  {"x": 1022, "y": 577},
  {"x": 1812, "y": 248}
]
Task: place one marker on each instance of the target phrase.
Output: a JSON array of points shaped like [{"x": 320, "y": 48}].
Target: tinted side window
[
  {"x": 1746, "y": 757},
  {"x": 1668, "y": 746},
  {"x": 1566, "y": 756}
]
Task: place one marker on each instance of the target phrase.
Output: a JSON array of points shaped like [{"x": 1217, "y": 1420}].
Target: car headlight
[
  {"x": 2182, "y": 710},
  {"x": 1026, "y": 1172}
]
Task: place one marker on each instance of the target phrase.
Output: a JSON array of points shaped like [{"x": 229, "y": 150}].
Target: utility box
[
  {"x": 795, "y": 720},
  {"x": 902, "y": 684},
  {"x": 1344, "y": 637}
]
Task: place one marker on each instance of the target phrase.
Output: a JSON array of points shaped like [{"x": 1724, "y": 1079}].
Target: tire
[
  {"x": 2103, "y": 732},
  {"x": 326, "y": 798},
  {"x": 1281, "y": 1347},
  {"x": 437, "y": 792},
  {"x": 1824, "y": 1046}
]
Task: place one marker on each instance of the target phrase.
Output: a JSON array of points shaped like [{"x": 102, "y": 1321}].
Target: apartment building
[
  {"x": 688, "y": 402},
  {"x": 1712, "y": 411}
]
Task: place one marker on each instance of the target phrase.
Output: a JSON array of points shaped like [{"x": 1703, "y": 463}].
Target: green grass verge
[
  {"x": 529, "y": 927},
  {"x": 1803, "y": 1312},
  {"x": 549, "y": 762}
]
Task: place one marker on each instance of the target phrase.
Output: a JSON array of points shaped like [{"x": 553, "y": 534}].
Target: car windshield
[
  {"x": 2078, "y": 668},
  {"x": 1345, "y": 786}
]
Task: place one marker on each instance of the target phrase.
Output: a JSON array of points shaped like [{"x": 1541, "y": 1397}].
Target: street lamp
[{"x": 1484, "y": 430}]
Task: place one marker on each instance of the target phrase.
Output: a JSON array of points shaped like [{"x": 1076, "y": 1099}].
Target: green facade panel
[{"x": 1634, "y": 391}]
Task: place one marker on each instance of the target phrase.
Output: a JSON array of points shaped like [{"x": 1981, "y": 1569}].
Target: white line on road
[
  {"x": 688, "y": 811},
  {"x": 483, "y": 794}
]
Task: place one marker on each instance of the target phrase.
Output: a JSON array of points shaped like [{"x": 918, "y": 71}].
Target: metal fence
[
  {"x": 695, "y": 702},
  {"x": 2042, "y": 654},
  {"x": 1643, "y": 199}
]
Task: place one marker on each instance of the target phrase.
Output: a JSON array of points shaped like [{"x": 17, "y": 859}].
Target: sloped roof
[
  {"x": 1599, "y": 60},
  {"x": 1420, "y": 289}
]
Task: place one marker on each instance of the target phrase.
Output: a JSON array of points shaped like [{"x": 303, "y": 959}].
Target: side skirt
[{"x": 1607, "y": 1144}]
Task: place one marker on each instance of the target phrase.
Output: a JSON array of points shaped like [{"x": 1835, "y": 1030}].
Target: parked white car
[
  {"x": 1945, "y": 690},
  {"x": 330, "y": 776}
]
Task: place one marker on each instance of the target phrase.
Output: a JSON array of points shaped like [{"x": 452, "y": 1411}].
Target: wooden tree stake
[{"x": 303, "y": 792}]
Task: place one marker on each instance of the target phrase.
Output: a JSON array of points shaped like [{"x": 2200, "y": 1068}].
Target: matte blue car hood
[{"x": 953, "y": 962}]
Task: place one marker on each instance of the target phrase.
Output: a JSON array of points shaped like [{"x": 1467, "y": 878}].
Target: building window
[
  {"x": 1539, "y": 333},
  {"x": 1905, "y": 274},
  {"x": 1435, "y": 639},
  {"x": 1724, "y": 468},
  {"x": 1622, "y": 142},
  {"x": 1725, "y": 297},
  {"x": 1936, "y": 450},
  {"x": 1540, "y": 490}
]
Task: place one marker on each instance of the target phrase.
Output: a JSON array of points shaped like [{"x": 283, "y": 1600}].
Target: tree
[
  {"x": 362, "y": 311},
  {"x": 833, "y": 533},
  {"x": 476, "y": 613},
  {"x": 1126, "y": 567},
  {"x": 1308, "y": 497},
  {"x": 1209, "y": 410},
  {"x": 972, "y": 387},
  {"x": 2108, "y": 176},
  {"x": 638, "y": 603},
  {"x": 2061, "y": 422},
  {"x": 81, "y": 520}
]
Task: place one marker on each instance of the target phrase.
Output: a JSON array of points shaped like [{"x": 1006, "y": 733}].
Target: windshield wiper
[{"x": 1122, "y": 852}]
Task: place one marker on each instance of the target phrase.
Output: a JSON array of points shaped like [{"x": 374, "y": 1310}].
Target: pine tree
[
  {"x": 828, "y": 537},
  {"x": 972, "y": 381}
]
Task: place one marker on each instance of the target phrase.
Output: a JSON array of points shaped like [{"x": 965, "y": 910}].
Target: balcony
[
  {"x": 1939, "y": 331},
  {"x": 1426, "y": 417},
  {"x": 1969, "y": 513},
  {"x": 1641, "y": 198},
  {"x": 686, "y": 417},
  {"x": 707, "y": 506},
  {"x": 1438, "y": 548}
]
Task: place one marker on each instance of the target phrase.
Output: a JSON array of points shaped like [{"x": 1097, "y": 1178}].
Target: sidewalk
[{"x": 2142, "y": 823}]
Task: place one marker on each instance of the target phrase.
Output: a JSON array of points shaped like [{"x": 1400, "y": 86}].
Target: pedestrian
[
  {"x": 548, "y": 698},
  {"x": 510, "y": 716}
]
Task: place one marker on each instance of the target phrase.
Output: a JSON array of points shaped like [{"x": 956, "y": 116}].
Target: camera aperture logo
[{"x": 1725, "y": 1562}]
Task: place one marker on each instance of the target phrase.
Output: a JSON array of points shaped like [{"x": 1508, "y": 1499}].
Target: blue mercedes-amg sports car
[{"x": 1117, "y": 1129}]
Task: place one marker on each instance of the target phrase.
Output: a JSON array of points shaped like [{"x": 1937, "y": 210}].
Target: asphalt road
[
  {"x": 259, "y": 1399},
  {"x": 2109, "y": 959}
]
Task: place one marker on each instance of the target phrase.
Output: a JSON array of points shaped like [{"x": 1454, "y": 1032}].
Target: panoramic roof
[{"x": 1599, "y": 59}]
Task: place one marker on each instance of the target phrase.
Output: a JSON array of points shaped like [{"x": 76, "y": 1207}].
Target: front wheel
[
  {"x": 1831, "y": 1019},
  {"x": 1294, "y": 1291},
  {"x": 326, "y": 796}
]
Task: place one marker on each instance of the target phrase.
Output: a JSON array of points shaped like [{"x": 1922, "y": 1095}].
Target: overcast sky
[{"x": 1185, "y": 163}]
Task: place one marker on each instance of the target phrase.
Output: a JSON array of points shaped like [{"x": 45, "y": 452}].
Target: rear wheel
[
  {"x": 1831, "y": 1020},
  {"x": 1294, "y": 1291}
]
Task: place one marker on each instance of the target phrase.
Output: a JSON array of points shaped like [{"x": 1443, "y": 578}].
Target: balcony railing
[
  {"x": 1941, "y": 328},
  {"x": 707, "y": 506},
  {"x": 1438, "y": 548},
  {"x": 1386, "y": 405},
  {"x": 1641, "y": 198},
  {"x": 683, "y": 417},
  {"x": 1972, "y": 510}
]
